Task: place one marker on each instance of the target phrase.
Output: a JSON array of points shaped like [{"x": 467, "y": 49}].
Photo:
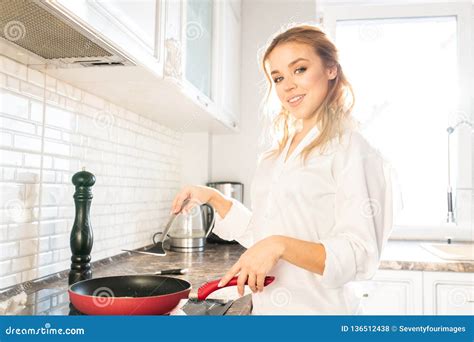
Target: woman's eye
[
  {"x": 300, "y": 70},
  {"x": 277, "y": 79}
]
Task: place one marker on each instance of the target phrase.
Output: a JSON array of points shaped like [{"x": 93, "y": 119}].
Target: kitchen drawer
[
  {"x": 392, "y": 293},
  {"x": 454, "y": 299},
  {"x": 448, "y": 293}
]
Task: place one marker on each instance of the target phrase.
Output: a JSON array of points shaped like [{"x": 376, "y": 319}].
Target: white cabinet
[
  {"x": 189, "y": 50},
  {"x": 393, "y": 293},
  {"x": 228, "y": 68},
  {"x": 186, "y": 55},
  {"x": 199, "y": 45},
  {"x": 417, "y": 293},
  {"x": 135, "y": 28},
  {"x": 202, "y": 42},
  {"x": 137, "y": 17},
  {"x": 448, "y": 293},
  {"x": 173, "y": 67}
]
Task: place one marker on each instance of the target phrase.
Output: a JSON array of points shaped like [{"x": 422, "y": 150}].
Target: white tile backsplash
[
  {"x": 14, "y": 105},
  {"x": 10, "y": 67},
  {"x": 136, "y": 161}
]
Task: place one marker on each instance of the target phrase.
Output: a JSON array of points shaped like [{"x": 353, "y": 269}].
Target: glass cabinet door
[{"x": 198, "y": 35}]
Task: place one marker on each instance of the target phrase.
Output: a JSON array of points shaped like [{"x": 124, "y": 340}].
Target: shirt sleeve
[
  {"x": 363, "y": 216},
  {"x": 235, "y": 224}
]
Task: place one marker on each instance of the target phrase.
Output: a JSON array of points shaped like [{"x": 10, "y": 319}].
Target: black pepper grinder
[{"x": 81, "y": 234}]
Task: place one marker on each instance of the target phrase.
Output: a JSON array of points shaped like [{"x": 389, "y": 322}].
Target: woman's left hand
[{"x": 255, "y": 263}]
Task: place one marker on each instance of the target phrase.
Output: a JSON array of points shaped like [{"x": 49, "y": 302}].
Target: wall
[
  {"x": 137, "y": 164},
  {"x": 234, "y": 156},
  {"x": 196, "y": 156}
]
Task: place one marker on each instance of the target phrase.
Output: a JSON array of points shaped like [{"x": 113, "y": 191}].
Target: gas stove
[{"x": 56, "y": 302}]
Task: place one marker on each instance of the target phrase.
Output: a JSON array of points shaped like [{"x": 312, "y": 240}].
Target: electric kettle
[{"x": 189, "y": 231}]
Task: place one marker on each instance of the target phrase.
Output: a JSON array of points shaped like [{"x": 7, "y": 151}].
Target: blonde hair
[{"x": 334, "y": 112}]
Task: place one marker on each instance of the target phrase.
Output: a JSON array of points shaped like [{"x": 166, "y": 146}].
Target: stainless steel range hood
[{"x": 41, "y": 29}]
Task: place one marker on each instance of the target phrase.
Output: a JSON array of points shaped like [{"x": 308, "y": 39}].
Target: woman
[{"x": 321, "y": 198}]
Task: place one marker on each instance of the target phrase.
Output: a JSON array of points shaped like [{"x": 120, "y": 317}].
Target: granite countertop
[
  {"x": 411, "y": 256},
  {"x": 49, "y": 295}
]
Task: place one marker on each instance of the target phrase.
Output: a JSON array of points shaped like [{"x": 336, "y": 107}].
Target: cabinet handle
[{"x": 365, "y": 295}]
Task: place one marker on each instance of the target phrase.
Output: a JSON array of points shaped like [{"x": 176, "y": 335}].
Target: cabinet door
[
  {"x": 393, "y": 293},
  {"x": 173, "y": 19},
  {"x": 199, "y": 45},
  {"x": 449, "y": 293},
  {"x": 229, "y": 61},
  {"x": 138, "y": 17},
  {"x": 133, "y": 28}
]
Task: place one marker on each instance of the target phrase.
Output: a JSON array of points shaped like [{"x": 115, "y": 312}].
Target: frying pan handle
[{"x": 206, "y": 289}]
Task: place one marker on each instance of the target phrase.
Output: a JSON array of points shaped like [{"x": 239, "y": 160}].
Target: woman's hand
[
  {"x": 195, "y": 194},
  {"x": 254, "y": 265}
]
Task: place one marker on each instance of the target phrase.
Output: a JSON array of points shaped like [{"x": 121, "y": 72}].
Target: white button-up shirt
[{"x": 341, "y": 198}]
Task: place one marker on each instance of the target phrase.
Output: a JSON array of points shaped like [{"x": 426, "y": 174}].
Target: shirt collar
[{"x": 307, "y": 139}]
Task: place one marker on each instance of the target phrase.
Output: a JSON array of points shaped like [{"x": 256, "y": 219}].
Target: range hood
[{"x": 43, "y": 30}]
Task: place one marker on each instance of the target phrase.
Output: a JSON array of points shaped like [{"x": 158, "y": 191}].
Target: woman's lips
[{"x": 296, "y": 100}]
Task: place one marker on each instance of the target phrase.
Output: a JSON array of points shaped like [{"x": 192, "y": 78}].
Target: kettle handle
[{"x": 213, "y": 219}]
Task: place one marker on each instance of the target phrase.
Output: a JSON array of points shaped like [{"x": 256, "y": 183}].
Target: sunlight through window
[{"x": 404, "y": 73}]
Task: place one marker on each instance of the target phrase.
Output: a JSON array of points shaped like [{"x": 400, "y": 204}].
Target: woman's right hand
[{"x": 195, "y": 194}]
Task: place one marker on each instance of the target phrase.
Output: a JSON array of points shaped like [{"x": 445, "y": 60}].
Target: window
[{"x": 406, "y": 73}]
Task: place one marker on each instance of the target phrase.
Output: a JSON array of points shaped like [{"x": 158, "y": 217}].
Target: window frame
[{"x": 463, "y": 229}]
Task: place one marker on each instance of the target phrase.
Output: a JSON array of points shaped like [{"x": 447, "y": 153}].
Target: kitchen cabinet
[
  {"x": 417, "y": 293},
  {"x": 393, "y": 293},
  {"x": 199, "y": 45},
  {"x": 190, "y": 49},
  {"x": 135, "y": 28},
  {"x": 229, "y": 62},
  {"x": 448, "y": 293},
  {"x": 186, "y": 56},
  {"x": 138, "y": 18},
  {"x": 202, "y": 42}
]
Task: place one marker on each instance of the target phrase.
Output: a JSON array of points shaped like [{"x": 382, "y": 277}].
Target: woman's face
[{"x": 299, "y": 77}]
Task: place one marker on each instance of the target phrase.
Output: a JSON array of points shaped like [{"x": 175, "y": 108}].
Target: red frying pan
[{"x": 136, "y": 294}]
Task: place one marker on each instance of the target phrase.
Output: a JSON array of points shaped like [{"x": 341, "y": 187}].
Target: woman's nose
[{"x": 289, "y": 84}]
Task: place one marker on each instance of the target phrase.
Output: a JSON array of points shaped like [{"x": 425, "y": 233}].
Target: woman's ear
[{"x": 332, "y": 72}]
